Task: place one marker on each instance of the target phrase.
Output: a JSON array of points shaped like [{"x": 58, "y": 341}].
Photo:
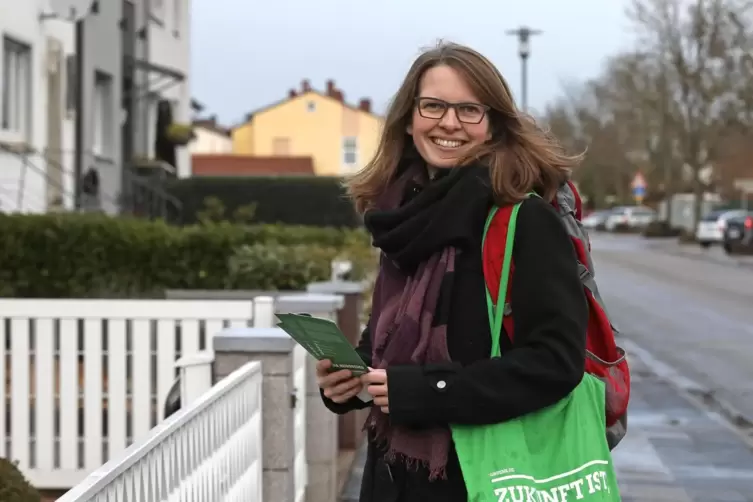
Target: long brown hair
[{"x": 521, "y": 156}]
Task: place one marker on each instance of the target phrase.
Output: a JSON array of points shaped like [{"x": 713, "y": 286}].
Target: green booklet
[{"x": 323, "y": 339}]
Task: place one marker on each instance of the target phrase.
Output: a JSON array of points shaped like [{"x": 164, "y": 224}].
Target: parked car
[
  {"x": 629, "y": 218},
  {"x": 596, "y": 220},
  {"x": 711, "y": 229},
  {"x": 738, "y": 234}
]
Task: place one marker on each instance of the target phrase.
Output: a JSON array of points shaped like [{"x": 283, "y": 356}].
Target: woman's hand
[
  {"x": 376, "y": 382},
  {"x": 339, "y": 386}
]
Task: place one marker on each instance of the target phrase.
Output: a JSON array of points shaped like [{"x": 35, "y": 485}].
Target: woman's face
[{"x": 448, "y": 119}]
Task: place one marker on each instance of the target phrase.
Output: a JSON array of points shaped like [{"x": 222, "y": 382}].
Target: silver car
[{"x": 630, "y": 218}]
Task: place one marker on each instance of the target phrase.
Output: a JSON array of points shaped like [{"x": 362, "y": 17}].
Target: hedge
[
  {"x": 13, "y": 485},
  {"x": 292, "y": 200},
  {"x": 81, "y": 256}
]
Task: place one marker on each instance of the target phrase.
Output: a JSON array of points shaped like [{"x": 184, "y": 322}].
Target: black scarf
[{"x": 419, "y": 242}]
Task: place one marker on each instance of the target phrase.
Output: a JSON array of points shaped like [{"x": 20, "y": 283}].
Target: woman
[{"x": 453, "y": 145}]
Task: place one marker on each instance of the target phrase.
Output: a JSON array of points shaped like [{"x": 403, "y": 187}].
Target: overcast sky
[{"x": 247, "y": 54}]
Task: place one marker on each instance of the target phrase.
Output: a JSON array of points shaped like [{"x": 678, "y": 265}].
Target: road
[
  {"x": 693, "y": 313},
  {"x": 686, "y": 320}
]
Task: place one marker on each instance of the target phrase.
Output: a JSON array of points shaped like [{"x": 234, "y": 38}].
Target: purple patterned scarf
[{"x": 419, "y": 242}]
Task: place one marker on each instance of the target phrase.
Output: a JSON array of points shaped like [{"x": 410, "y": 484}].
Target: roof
[
  {"x": 211, "y": 125},
  {"x": 332, "y": 93},
  {"x": 250, "y": 165}
]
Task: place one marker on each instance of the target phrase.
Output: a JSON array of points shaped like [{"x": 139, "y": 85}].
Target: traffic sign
[
  {"x": 639, "y": 181},
  {"x": 639, "y": 191}
]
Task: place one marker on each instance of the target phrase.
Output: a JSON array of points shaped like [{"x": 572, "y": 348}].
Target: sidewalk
[
  {"x": 673, "y": 452},
  {"x": 676, "y": 452}
]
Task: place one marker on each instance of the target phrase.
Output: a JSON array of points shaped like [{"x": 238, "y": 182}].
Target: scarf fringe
[{"x": 392, "y": 456}]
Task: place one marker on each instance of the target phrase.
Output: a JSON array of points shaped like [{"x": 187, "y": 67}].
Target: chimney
[
  {"x": 365, "y": 105},
  {"x": 292, "y": 93},
  {"x": 305, "y": 86},
  {"x": 338, "y": 95},
  {"x": 331, "y": 90},
  {"x": 213, "y": 120}
]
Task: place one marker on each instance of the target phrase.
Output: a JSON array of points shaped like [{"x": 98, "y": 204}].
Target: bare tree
[{"x": 701, "y": 51}]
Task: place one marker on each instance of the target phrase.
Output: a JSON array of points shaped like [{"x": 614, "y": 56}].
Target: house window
[
  {"x": 16, "y": 81},
  {"x": 281, "y": 146},
  {"x": 350, "y": 151},
  {"x": 103, "y": 121},
  {"x": 311, "y": 106}
]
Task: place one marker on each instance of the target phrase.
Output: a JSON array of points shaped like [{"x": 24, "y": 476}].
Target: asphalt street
[
  {"x": 689, "y": 310},
  {"x": 687, "y": 323}
]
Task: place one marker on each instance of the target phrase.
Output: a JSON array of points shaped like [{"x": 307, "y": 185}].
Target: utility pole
[
  {"x": 524, "y": 34},
  {"x": 664, "y": 138}
]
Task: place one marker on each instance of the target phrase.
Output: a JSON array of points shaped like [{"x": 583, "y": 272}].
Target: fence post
[
  {"x": 195, "y": 376},
  {"x": 264, "y": 312}
]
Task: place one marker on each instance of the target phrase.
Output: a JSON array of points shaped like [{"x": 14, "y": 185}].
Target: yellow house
[{"x": 339, "y": 138}]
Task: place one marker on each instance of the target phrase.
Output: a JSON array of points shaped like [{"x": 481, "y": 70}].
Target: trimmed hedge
[
  {"x": 292, "y": 200},
  {"x": 82, "y": 256},
  {"x": 13, "y": 485}
]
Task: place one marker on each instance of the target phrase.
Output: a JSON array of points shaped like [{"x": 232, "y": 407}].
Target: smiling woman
[{"x": 454, "y": 144}]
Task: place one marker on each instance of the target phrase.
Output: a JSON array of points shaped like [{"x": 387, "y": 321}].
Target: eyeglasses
[{"x": 436, "y": 109}]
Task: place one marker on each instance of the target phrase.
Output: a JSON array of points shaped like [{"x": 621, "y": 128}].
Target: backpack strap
[
  {"x": 499, "y": 317},
  {"x": 496, "y": 315}
]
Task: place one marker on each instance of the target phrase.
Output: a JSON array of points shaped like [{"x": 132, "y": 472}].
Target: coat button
[{"x": 441, "y": 384}]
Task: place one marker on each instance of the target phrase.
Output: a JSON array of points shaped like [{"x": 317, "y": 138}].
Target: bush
[
  {"x": 660, "y": 229},
  {"x": 13, "y": 484},
  {"x": 293, "y": 200},
  {"x": 82, "y": 256}
]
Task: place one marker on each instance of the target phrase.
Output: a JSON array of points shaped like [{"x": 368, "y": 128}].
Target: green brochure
[{"x": 323, "y": 339}]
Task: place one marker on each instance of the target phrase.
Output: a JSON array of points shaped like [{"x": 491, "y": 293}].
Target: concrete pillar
[
  {"x": 321, "y": 424},
  {"x": 233, "y": 348}
]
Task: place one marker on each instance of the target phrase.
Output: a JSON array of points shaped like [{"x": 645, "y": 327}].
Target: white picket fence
[
  {"x": 84, "y": 379},
  {"x": 211, "y": 450}
]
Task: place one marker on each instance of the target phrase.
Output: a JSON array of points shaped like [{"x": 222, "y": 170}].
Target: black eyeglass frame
[{"x": 447, "y": 106}]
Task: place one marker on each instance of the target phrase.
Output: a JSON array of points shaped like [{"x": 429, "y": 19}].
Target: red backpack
[{"x": 604, "y": 359}]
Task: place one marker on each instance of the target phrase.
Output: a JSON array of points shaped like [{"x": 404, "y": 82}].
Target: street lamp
[{"x": 524, "y": 34}]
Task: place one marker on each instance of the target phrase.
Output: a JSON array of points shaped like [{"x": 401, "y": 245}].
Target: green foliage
[
  {"x": 64, "y": 255},
  {"x": 214, "y": 212},
  {"x": 292, "y": 200},
  {"x": 13, "y": 486}
]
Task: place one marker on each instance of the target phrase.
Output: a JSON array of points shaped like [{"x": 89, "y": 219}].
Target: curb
[{"x": 704, "y": 398}]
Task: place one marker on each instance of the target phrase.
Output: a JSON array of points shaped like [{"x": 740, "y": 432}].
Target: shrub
[
  {"x": 81, "y": 256},
  {"x": 13, "y": 485},
  {"x": 292, "y": 200}
]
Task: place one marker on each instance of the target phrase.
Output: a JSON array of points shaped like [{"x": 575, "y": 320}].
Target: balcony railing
[{"x": 210, "y": 450}]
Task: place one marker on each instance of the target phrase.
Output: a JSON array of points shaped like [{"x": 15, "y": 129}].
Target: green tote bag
[{"x": 558, "y": 454}]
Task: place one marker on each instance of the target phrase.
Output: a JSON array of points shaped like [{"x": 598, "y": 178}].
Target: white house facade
[
  {"x": 210, "y": 138},
  {"x": 80, "y": 97},
  {"x": 36, "y": 132}
]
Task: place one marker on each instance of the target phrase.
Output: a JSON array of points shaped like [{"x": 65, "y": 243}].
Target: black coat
[{"x": 543, "y": 366}]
